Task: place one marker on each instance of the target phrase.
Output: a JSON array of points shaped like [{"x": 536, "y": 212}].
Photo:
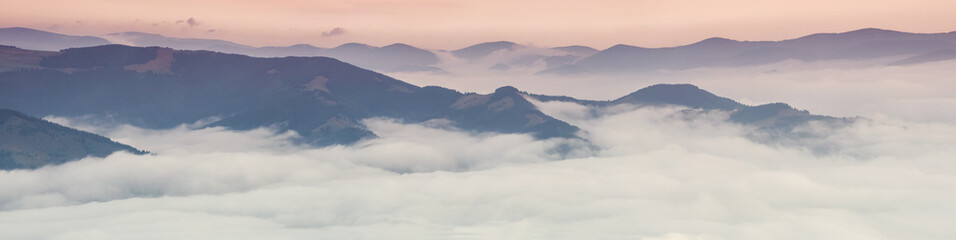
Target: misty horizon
[
  {"x": 450, "y": 25},
  {"x": 111, "y": 36}
]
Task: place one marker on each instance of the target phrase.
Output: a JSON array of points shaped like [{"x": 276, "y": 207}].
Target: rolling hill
[{"x": 27, "y": 142}]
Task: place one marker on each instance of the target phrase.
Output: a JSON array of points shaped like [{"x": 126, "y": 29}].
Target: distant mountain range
[
  {"x": 321, "y": 98},
  {"x": 46, "y": 41},
  {"x": 29, "y": 142},
  {"x": 902, "y": 49},
  {"x": 392, "y": 58},
  {"x": 720, "y": 52},
  {"x": 504, "y": 55}
]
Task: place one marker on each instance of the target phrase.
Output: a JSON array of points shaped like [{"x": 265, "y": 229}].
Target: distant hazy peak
[
  {"x": 577, "y": 50},
  {"x": 296, "y": 47},
  {"x": 496, "y": 44},
  {"x": 135, "y": 34},
  {"x": 860, "y": 34},
  {"x": 575, "y": 47},
  {"x": 875, "y": 32},
  {"x": 399, "y": 45},
  {"x": 483, "y": 49},
  {"x": 716, "y": 42},
  {"x": 27, "y": 38},
  {"x": 353, "y": 45},
  {"x": 35, "y": 32},
  {"x": 620, "y": 47},
  {"x": 25, "y": 30}
]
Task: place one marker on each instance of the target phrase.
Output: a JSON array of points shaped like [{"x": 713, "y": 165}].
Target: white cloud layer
[{"x": 656, "y": 177}]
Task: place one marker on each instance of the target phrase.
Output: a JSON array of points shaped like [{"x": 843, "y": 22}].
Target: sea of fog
[{"x": 648, "y": 173}]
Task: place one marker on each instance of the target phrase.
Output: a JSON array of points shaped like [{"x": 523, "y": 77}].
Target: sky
[{"x": 452, "y": 24}]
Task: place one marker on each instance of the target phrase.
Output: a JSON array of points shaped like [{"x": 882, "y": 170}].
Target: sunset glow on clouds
[{"x": 440, "y": 24}]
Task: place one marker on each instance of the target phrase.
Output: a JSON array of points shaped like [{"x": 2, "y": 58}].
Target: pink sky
[{"x": 451, "y": 24}]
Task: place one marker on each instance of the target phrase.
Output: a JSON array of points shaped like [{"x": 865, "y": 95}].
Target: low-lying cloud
[{"x": 657, "y": 175}]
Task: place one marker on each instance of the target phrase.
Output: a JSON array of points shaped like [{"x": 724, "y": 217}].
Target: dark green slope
[{"x": 29, "y": 142}]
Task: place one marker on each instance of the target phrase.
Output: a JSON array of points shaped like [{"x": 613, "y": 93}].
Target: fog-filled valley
[{"x": 655, "y": 176}]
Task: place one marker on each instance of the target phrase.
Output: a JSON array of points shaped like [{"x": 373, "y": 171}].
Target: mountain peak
[
  {"x": 875, "y": 33},
  {"x": 681, "y": 88},
  {"x": 303, "y": 46},
  {"x": 506, "y": 90},
  {"x": 575, "y": 47},
  {"x": 872, "y": 30},
  {"x": 857, "y": 35},
  {"x": 577, "y": 50},
  {"x": 483, "y": 49},
  {"x": 679, "y": 94},
  {"x": 497, "y": 44},
  {"x": 715, "y": 41},
  {"x": 622, "y": 47},
  {"x": 671, "y": 87},
  {"x": 353, "y": 45},
  {"x": 400, "y": 46},
  {"x": 135, "y": 34}
]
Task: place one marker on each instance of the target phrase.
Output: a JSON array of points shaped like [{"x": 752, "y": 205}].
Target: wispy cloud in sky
[
  {"x": 191, "y": 22},
  {"x": 334, "y": 32}
]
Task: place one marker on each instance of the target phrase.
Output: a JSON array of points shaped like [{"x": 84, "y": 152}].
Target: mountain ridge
[
  {"x": 45, "y": 41},
  {"x": 721, "y": 52},
  {"x": 867, "y": 43},
  {"x": 323, "y": 99},
  {"x": 27, "y": 142}
]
